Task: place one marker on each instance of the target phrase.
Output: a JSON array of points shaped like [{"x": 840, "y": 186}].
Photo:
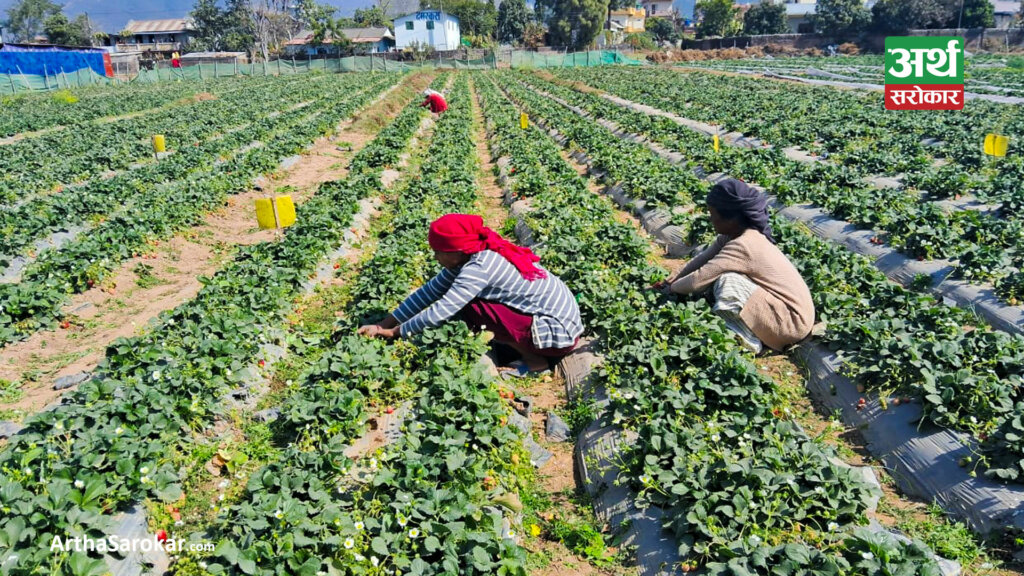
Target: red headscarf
[{"x": 466, "y": 233}]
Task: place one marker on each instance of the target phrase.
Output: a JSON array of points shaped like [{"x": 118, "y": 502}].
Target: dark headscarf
[{"x": 737, "y": 197}]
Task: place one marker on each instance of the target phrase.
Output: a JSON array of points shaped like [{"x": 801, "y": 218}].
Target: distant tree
[
  {"x": 717, "y": 18},
  {"x": 976, "y": 14},
  {"x": 209, "y": 25},
  {"x": 766, "y": 17},
  {"x": 662, "y": 29},
  {"x": 373, "y": 16},
  {"x": 641, "y": 41},
  {"x": 575, "y": 23},
  {"x": 544, "y": 10},
  {"x": 25, "y": 18},
  {"x": 902, "y": 15},
  {"x": 533, "y": 36},
  {"x": 476, "y": 17},
  {"x": 513, "y": 17},
  {"x": 841, "y": 17},
  {"x": 60, "y": 30}
]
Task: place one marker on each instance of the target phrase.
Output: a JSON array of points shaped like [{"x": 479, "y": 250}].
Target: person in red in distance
[
  {"x": 491, "y": 284},
  {"x": 435, "y": 100}
]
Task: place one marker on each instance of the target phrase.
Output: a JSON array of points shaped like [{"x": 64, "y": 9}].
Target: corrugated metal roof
[
  {"x": 357, "y": 35},
  {"x": 158, "y": 26}
]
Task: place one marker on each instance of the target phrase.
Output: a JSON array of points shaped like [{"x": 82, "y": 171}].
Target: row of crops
[
  {"x": 121, "y": 216},
  {"x": 893, "y": 341},
  {"x": 986, "y": 246},
  {"x": 436, "y": 501},
  {"x": 30, "y": 112},
  {"x": 745, "y": 489},
  {"x": 112, "y": 441},
  {"x": 984, "y": 74}
]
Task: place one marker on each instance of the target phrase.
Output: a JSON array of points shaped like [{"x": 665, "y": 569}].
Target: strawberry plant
[
  {"x": 729, "y": 468},
  {"x": 110, "y": 441}
]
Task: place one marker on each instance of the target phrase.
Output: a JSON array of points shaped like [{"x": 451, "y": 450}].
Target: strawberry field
[{"x": 245, "y": 417}]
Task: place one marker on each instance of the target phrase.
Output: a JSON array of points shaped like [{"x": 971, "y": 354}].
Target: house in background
[
  {"x": 364, "y": 41},
  {"x": 627, "y": 20},
  {"x": 433, "y": 28},
  {"x": 1007, "y": 12},
  {"x": 155, "y": 36},
  {"x": 658, "y": 8},
  {"x": 798, "y": 15}
]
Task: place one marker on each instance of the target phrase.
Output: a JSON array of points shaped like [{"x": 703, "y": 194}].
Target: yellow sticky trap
[
  {"x": 159, "y": 143},
  {"x": 715, "y": 142},
  {"x": 996, "y": 144},
  {"x": 276, "y": 212},
  {"x": 524, "y": 121},
  {"x": 285, "y": 211}
]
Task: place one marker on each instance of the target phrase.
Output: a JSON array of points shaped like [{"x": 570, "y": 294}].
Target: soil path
[{"x": 167, "y": 274}]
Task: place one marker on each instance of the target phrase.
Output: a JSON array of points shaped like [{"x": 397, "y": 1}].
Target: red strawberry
[
  {"x": 262, "y": 363},
  {"x": 390, "y": 410},
  {"x": 161, "y": 535},
  {"x": 90, "y": 283},
  {"x": 336, "y": 265},
  {"x": 65, "y": 324}
]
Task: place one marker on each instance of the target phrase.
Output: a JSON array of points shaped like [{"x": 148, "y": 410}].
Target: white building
[
  {"x": 434, "y": 28},
  {"x": 798, "y": 15},
  {"x": 658, "y": 8}
]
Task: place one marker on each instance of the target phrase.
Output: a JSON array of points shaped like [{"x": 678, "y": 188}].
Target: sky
[{"x": 112, "y": 15}]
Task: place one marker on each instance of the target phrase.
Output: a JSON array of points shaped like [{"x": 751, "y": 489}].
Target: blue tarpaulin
[{"x": 49, "y": 60}]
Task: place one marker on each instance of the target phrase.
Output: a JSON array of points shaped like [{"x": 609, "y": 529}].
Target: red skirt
[{"x": 508, "y": 326}]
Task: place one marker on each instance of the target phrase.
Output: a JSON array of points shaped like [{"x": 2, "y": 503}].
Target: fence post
[
  {"x": 200, "y": 66},
  {"x": 294, "y": 70},
  {"x": 279, "y": 66},
  {"x": 13, "y": 89}
]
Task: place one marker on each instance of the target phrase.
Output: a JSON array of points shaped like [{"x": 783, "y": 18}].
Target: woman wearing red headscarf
[{"x": 490, "y": 284}]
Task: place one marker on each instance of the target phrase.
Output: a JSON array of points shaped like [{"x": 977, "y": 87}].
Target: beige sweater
[{"x": 781, "y": 313}]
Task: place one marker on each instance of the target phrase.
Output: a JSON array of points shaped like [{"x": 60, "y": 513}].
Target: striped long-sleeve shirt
[{"x": 489, "y": 276}]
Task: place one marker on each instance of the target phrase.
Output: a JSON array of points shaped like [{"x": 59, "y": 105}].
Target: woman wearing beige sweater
[{"x": 757, "y": 290}]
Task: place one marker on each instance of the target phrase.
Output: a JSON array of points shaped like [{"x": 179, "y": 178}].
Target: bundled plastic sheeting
[{"x": 925, "y": 462}]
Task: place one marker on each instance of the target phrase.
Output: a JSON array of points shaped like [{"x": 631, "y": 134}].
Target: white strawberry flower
[
  {"x": 832, "y": 526},
  {"x": 144, "y": 479},
  {"x": 144, "y": 470},
  {"x": 402, "y": 521},
  {"x": 119, "y": 430},
  {"x": 360, "y": 526},
  {"x": 415, "y": 532},
  {"x": 349, "y": 543},
  {"x": 156, "y": 375},
  {"x": 79, "y": 484},
  {"x": 278, "y": 514},
  {"x": 510, "y": 534},
  {"x": 867, "y": 555},
  {"x": 375, "y": 561}
]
